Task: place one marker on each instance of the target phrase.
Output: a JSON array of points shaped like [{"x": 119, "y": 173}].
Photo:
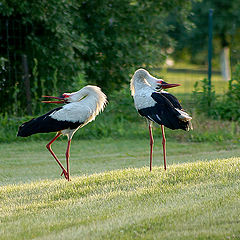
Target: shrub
[
  {"x": 229, "y": 108},
  {"x": 204, "y": 97},
  {"x": 226, "y": 107}
]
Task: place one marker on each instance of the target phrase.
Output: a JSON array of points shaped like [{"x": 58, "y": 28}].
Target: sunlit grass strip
[
  {"x": 128, "y": 204},
  {"x": 188, "y": 80}
]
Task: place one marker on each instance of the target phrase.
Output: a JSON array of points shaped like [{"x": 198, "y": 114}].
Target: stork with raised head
[
  {"x": 158, "y": 106},
  {"x": 80, "y": 108}
]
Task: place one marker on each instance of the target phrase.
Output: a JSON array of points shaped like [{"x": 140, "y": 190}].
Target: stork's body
[
  {"x": 81, "y": 108},
  {"x": 158, "y": 106}
]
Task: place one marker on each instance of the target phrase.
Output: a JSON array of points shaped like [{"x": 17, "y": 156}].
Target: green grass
[
  {"x": 30, "y": 161},
  {"x": 188, "y": 79},
  {"x": 113, "y": 195},
  {"x": 124, "y": 122},
  {"x": 187, "y": 82},
  {"x": 197, "y": 200}
]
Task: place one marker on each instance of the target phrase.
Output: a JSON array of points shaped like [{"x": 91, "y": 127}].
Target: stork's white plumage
[
  {"x": 81, "y": 108},
  {"x": 157, "y": 105}
]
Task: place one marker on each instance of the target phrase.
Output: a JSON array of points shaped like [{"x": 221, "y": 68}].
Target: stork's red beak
[
  {"x": 62, "y": 99},
  {"x": 165, "y": 85},
  {"x": 168, "y": 85}
]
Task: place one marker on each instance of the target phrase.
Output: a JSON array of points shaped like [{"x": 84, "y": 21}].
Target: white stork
[
  {"x": 80, "y": 108},
  {"x": 157, "y": 106}
]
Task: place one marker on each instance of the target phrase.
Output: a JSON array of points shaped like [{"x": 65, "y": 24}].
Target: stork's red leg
[
  {"x": 67, "y": 158},
  {"x": 164, "y": 147},
  {"x": 48, "y": 146},
  {"x": 151, "y": 144}
]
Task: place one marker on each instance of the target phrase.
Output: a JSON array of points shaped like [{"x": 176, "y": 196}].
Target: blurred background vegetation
[{"x": 56, "y": 46}]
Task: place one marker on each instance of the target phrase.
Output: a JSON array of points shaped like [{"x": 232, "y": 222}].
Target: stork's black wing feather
[
  {"x": 172, "y": 99},
  {"x": 45, "y": 124},
  {"x": 163, "y": 113}
]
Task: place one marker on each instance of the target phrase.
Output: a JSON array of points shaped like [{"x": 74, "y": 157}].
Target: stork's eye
[{"x": 82, "y": 98}]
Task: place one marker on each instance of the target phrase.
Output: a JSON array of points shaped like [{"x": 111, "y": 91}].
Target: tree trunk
[
  {"x": 225, "y": 63},
  {"x": 225, "y": 57}
]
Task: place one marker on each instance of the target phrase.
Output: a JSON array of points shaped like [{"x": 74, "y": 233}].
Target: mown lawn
[
  {"x": 198, "y": 200},
  {"x": 113, "y": 195},
  {"x": 30, "y": 161}
]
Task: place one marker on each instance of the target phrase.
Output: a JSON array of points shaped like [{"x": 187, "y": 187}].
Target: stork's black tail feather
[
  {"x": 27, "y": 128},
  {"x": 42, "y": 124},
  {"x": 46, "y": 124},
  {"x": 186, "y": 125}
]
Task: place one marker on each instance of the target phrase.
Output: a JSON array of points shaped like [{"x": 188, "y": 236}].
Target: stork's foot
[{"x": 66, "y": 175}]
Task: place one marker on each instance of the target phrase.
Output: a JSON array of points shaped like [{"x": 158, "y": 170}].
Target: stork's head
[
  {"x": 89, "y": 90},
  {"x": 68, "y": 97},
  {"x": 160, "y": 84},
  {"x": 142, "y": 76}
]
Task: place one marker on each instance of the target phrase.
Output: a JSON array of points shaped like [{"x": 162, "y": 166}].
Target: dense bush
[{"x": 204, "y": 97}]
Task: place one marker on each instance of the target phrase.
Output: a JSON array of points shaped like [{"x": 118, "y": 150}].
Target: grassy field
[
  {"x": 113, "y": 195},
  {"x": 188, "y": 79}
]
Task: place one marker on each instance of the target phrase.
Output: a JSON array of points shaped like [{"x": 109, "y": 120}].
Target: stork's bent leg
[
  {"x": 151, "y": 144},
  {"x": 48, "y": 146},
  {"x": 67, "y": 158},
  {"x": 164, "y": 147}
]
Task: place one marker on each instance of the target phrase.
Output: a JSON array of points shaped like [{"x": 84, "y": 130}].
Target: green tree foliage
[
  {"x": 102, "y": 40},
  {"x": 122, "y": 35},
  {"x": 226, "y": 28},
  {"x": 43, "y": 30}
]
